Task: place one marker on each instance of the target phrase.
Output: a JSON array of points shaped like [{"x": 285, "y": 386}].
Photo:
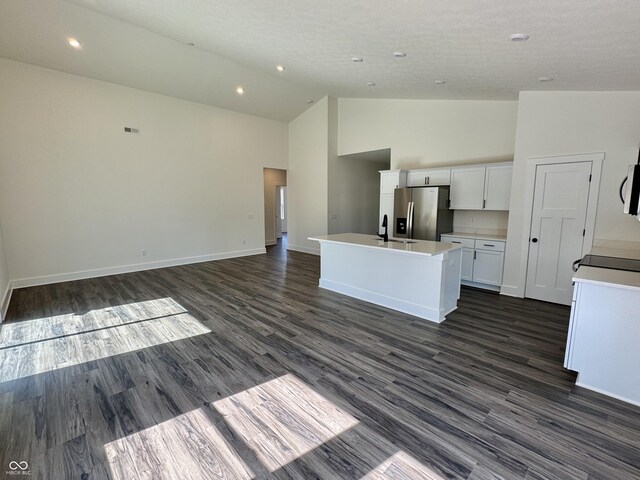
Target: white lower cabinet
[
  {"x": 482, "y": 261},
  {"x": 467, "y": 263},
  {"x": 487, "y": 267}
]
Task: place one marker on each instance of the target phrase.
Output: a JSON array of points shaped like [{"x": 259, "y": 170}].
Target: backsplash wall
[{"x": 480, "y": 221}]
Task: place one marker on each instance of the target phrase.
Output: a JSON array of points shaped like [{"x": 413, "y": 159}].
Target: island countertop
[{"x": 417, "y": 247}]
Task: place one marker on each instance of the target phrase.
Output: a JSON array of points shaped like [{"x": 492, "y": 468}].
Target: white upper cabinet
[
  {"x": 467, "y": 188},
  {"x": 481, "y": 187},
  {"x": 392, "y": 179},
  {"x": 497, "y": 187},
  {"x": 429, "y": 177}
]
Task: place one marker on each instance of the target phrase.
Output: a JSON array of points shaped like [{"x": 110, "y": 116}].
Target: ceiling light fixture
[
  {"x": 545, "y": 79},
  {"x": 309, "y": 101},
  {"x": 239, "y": 90},
  {"x": 280, "y": 68},
  {"x": 519, "y": 37},
  {"x": 371, "y": 84},
  {"x": 74, "y": 43},
  {"x": 399, "y": 54},
  {"x": 440, "y": 82},
  {"x": 189, "y": 44},
  {"x": 357, "y": 59}
]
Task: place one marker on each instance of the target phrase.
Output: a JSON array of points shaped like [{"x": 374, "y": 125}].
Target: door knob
[{"x": 534, "y": 240}]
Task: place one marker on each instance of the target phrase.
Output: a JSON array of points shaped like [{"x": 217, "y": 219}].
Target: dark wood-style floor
[{"x": 243, "y": 368}]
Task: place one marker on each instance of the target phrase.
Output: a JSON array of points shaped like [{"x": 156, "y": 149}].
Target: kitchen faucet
[{"x": 384, "y": 237}]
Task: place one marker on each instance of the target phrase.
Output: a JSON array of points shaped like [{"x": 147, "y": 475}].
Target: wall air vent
[{"x": 132, "y": 130}]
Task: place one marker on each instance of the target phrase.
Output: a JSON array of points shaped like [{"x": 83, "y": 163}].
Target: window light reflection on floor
[
  {"x": 401, "y": 465},
  {"x": 45, "y": 344},
  {"x": 186, "y": 446},
  {"x": 283, "y": 419}
]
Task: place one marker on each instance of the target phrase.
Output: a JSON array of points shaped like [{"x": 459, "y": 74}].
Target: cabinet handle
[
  {"x": 428, "y": 180},
  {"x": 488, "y": 245},
  {"x": 455, "y": 241},
  {"x": 484, "y": 204},
  {"x": 475, "y": 254},
  {"x": 425, "y": 180}
]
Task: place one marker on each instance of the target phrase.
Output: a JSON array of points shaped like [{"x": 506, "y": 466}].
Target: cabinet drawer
[
  {"x": 465, "y": 242},
  {"x": 495, "y": 245}
]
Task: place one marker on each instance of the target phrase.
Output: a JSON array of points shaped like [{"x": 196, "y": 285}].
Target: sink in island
[{"x": 421, "y": 278}]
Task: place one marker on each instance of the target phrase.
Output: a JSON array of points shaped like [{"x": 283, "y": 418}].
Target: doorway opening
[{"x": 275, "y": 205}]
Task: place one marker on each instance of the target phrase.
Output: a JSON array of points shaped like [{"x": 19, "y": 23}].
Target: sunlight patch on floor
[
  {"x": 402, "y": 466},
  {"x": 283, "y": 419},
  {"x": 46, "y": 344},
  {"x": 186, "y": 446}
]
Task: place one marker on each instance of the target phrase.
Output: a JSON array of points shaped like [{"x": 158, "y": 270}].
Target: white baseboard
[
  {"x": 4, "y": 301},
  {"x": 608, "y": 394},
  {"x": 103, "y": 272},
  {"x": 297, "y": 248},
  {"x": 431, "y": 314},
  {"x": 511, "y": 291}
]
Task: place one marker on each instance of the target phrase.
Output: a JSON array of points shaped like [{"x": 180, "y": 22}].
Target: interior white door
[{"x": 558, "y": 219}]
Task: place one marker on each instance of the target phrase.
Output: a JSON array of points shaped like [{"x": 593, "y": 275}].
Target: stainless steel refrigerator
[{"x": 422, "y": 213}]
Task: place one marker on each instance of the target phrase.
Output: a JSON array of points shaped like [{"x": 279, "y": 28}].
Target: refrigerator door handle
[{"x": 410, "y": 220}]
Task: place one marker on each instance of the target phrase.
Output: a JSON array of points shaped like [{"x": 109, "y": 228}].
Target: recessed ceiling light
[
  {"x": 74, "y": 43},
  {"x": 545, "y": 79},
  {"x": 440, "y": 82},
  {"x": 371, "y": 84},
  {"x": 190, "y": 44},
  {"x": 280, "y": 68},
  {"x": 519, "y": 37},
  {"x": 239, "y": 90},
  {"x": 399, "y": 54},
  {"x": 357, "y": 59}
]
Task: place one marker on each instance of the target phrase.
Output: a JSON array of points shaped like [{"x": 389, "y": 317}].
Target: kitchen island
[{"x": 421, "y": 278}]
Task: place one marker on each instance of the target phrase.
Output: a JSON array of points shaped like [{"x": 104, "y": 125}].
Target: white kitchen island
[{"x": 420, "y": 278}]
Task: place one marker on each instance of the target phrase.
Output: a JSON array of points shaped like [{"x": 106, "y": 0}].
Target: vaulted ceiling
[{"x": 580, "y": 44}]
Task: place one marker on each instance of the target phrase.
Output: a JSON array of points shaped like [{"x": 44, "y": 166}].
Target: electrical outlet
[{"x": 144, "y": 252}]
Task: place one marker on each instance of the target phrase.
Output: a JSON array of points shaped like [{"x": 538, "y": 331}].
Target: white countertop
[
  {"x": 610, "y": 277},
  {"x": 420, "y": 247},
  {"x": 478, "y": 236}
]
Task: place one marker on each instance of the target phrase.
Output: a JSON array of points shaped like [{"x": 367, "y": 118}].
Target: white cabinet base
[
  {"x": 604, "y": 334},
  {"x": 483, "y": 286}
]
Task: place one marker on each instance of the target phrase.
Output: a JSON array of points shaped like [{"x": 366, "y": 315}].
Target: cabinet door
[
  {"x": 417, "y": 178},
  {"x": 467, "y": 188},
  {"x": 497, "y": 187},
  {"x": 441, "y": 176},
  {"x": 386, "y": 207},
  {"x": 487, "y": 267},
  {"x": 466, "y": 272},
  {"x": 392, "y": 179}
]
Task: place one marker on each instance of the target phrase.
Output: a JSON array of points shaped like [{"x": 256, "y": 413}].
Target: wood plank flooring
[{"x": 244, "y": 368}]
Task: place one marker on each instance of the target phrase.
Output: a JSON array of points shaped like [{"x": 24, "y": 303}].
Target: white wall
[
  {"x": 4, "y": 278},
  {"x": 562, "y": 123},
  {"x": 273, "y": 177},
  {"x": 354, "y": 195},
  {"x": 78, "y": 195},
  {"x": 308, "y": 177},
  {"x": 428, "y": 132}
]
